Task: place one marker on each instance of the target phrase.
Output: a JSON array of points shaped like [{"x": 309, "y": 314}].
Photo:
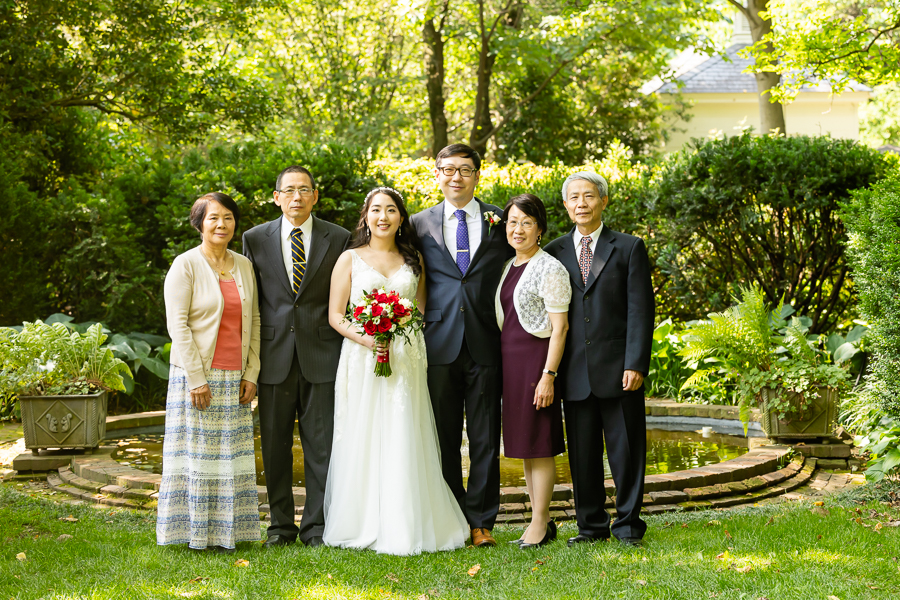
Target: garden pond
[{"x": 669, "y": 448}]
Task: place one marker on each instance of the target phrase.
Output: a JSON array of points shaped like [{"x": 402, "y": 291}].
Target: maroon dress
[{"x": 527, "y": 432}]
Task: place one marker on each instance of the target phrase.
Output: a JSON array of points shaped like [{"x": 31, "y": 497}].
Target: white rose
[{"x": 406, "y": 303}]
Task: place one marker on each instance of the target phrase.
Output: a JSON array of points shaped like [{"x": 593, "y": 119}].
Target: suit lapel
[
  {"x": 567, "y": 258},
  {"x": 486, "y": 233},
  {"x": 435, "y": 223},
  {"x": 272, "y": 248},
  {"x": 320, "y": 244},
  {"x": 605, "y": 246}
]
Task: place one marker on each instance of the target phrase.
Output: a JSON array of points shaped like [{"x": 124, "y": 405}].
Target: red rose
[
  {"x": 393, "y": 297},
  {"x": 384, "y": 325},
  {"x": 377, "y": 310},
  {"x": 399, "y": 310},
  {"x": 358, "y": 311},
  {"x": 370, "y": 327},
  {"x": 381, "y": 298}
]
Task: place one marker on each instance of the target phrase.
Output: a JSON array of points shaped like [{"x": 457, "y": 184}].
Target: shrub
[
  {"x": 754, "y": 209},
  {"x": 873, "y": 220}
]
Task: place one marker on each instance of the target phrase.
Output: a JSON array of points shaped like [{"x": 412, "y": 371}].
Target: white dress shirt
[
  {"x": 577, "y": 237},
  {"x": 473, "y": 221},
  {"x": 306, "y": 233}
]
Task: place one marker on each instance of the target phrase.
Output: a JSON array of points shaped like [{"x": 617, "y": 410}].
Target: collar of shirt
[
  {"x": 594, "y": 236},
  {"x": 287, "y": 228},
  {"x": 471, "y": 209}
]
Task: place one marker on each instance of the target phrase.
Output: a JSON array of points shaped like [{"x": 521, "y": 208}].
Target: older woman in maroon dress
[{"x": 532, "y": 305}]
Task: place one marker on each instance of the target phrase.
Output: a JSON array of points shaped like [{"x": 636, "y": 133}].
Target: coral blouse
[{"x": 228, "y": 343}]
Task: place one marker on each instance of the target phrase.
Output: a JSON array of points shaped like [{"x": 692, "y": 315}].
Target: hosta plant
[{"x": 41, "y": 359}]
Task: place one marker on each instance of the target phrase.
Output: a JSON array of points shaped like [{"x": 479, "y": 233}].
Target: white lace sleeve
[{"x": 556, "y": 289}]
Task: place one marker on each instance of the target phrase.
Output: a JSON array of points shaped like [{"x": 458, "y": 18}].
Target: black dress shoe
[
  {"x": 222, "y": 550},
  {"x": 631, "y": 541},
  {"x": 315, "y": 541},
  {"x": 578, "y": 539},
  {"x": 277, "y": 540},
  {"x": 549, "y": 536}
]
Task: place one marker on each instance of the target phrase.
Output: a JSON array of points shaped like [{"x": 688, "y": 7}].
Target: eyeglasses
[
  {"x": 451, "y": 171},
  {"x": 526, "y": 224},
  {"x": 291, "y": 192}
]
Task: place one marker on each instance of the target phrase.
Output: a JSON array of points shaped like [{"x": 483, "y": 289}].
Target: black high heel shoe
[{"x": 549, "y": 536}]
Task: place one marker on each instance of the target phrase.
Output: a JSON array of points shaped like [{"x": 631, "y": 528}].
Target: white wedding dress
[{"x": 385, "y": 491}]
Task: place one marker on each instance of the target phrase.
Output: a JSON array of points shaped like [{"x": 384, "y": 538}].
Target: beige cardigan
[{"x": 194, "y": 307}]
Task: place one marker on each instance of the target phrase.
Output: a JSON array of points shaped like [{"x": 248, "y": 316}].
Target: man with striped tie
[
  {"x": 293, "y": 256},
  {"x": 465, "y": 251}
]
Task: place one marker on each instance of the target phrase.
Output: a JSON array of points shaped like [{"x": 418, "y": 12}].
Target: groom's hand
[{"x": 632, "y": 380}]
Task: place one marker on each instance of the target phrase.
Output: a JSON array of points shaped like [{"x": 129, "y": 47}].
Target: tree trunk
[
  {"x": 434, "y": 83},
  {"x": 771, "y": 114},
  {"x": 482, "y": 128}
]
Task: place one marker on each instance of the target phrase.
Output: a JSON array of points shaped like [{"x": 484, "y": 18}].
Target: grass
[{"x": 778, "y": 552}]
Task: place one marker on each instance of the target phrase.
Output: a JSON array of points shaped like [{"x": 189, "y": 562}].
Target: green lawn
[{"x": 777, "y": 552}]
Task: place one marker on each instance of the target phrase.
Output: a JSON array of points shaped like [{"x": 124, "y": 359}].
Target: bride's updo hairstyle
[{"x": 406, "y": 239}]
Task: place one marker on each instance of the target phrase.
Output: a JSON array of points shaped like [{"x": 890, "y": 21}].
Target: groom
[
  {"x": 464, "y": 254},
  {"x": 299, "y": 351}
]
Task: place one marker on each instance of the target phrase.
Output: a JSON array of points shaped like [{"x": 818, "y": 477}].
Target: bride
[{"x": 385, "y": 491}]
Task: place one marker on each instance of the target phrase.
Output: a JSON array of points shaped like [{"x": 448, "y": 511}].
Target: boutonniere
[{"x": 492, "y": 219}]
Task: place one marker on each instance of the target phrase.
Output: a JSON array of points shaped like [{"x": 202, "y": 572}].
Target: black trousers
[
  {"x": 621, "y": 421},
  {"x": 312, "y": 406},
  {"x": 466, "y": 388}
]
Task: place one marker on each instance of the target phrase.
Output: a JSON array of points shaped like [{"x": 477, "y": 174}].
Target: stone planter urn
[
  {"x": 818, "y": 420},
  {"x": 63, "y": 421}
]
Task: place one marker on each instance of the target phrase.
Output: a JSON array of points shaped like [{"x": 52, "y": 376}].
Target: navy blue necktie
[{"x": 462, "y": 242}]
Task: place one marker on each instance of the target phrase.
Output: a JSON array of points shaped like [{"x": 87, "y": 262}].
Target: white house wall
[{"x": 811, "y": 113}]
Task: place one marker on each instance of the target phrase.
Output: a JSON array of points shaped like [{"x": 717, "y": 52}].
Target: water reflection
[{"x": 667, "y": 451}]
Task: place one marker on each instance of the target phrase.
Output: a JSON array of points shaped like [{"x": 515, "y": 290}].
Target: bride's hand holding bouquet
[{"x": 384, "y": 315}]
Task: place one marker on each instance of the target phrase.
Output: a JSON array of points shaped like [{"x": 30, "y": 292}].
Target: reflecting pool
[{"x": 667, "y": 451}]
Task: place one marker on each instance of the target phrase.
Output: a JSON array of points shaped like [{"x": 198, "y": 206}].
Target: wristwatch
[{"x": 549, "y": 372}]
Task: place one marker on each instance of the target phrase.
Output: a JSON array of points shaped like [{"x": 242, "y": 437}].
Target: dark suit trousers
[
  {"x": 461, "y": 387},
  {"x": 623, "y": 424},
  {"x": 312, "y": 405}
]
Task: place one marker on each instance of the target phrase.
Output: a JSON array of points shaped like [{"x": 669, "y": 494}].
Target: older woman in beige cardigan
[{"x": 207, "y": 496}]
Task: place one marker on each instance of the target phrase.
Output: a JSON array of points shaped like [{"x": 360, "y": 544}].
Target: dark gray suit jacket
[
  {"x": 610, "y": 318},
  {"x": 296, "y": 322},
  {"x": 460, "y": 304}
]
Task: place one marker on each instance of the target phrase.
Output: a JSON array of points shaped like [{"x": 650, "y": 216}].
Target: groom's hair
[
  {"x": 295, "y": 169},
  {"x": 459, "y": 150}
]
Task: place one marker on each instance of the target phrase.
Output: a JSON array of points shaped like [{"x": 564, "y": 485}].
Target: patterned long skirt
[{"x": 207, "y": 496}]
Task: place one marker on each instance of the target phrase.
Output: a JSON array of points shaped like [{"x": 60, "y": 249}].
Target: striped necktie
[{"x": 298, "y": 255}]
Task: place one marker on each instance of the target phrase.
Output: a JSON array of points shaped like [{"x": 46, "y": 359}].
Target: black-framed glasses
[
  {"x": 451, "y": 171},
  {"x": 291, "y": 192}
]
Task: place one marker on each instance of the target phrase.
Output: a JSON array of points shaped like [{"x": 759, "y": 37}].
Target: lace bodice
[
  {"x": 364, "y": 278},
  {"x": 543, "y": 288}
]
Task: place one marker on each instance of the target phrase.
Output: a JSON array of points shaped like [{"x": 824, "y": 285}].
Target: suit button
[
  {"x": 587, "y": 342},
  {"x": 462, "y": 309},
  {"x": 587, "y": 319},
  {"x": 296, "y": 306},
  {"x": 292, "y": 327},
  {"x": 463, "y": 280},
  {"x": 586, "y": 297}
]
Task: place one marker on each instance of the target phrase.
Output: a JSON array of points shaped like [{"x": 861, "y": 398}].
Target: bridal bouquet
[{"x": 385, "y": 315}]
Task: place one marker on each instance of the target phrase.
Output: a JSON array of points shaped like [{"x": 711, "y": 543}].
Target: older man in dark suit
[
  {"x": 299, "y": 351},
  {"x": 464, "y": 247},
  {"x": 607, "y": 357}
]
